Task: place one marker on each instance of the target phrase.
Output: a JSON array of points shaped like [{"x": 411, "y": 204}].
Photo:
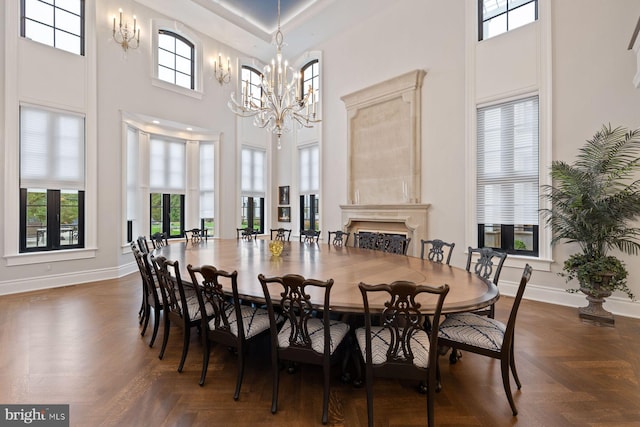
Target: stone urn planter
[{"x": 596, "y": 294}]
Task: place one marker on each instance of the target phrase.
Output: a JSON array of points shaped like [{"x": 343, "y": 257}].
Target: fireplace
[{"x": 407, "y": 219}]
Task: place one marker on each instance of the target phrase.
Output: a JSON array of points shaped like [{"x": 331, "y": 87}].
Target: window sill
[
  {"x": 519, "y": 261},
  {"x": 49, "y": 256},
  {"x": 175, "y": 88}
]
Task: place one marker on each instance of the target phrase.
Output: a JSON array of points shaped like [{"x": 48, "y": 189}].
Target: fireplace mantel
[{"x": 407, "y": 218}]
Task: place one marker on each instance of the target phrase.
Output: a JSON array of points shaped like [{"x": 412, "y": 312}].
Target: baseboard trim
[
  {"x": 617, "y": 305},
  {"x": 68, "y": 279}
]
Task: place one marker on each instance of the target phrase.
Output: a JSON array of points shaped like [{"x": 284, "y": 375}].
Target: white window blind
[
  {"x": 166, "y": 165},
  {"x": 52, "y": 149},
  {"x": 207, "y": 169},
  {"x": 132, "y": 173},
  {"x": 507, "y": 163},
  {"x": 309, "y": 169},
  {"x": 253, "y": 171}
]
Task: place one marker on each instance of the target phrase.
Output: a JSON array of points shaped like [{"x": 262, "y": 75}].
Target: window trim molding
[
  {"x": 544, "y": 91},
  {"x": 83, "y": 24},
  {"x": 12, "y": 103},
  {"x": 182, "y": 30}
]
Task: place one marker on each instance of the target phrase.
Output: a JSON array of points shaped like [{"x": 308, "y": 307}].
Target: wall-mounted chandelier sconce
[{"x": 126, "y": 37}]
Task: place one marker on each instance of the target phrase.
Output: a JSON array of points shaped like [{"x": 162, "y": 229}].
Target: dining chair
[
  {"x": 144, "y": 248},
  {"x": 197, "y": 234},
  {"x": 488, "y": 266},
  {"x": 309, "y": 236},
  {"x": 340, "y": 238},
  {"x": 303, "y": 338},
  {"x": 159, "y": 239},
  {"x": 150, "y": 297},
  {"x": 283, "y": 234},
  {"x": 246, "y": 233},
  {"x": 396, "y": 244},
  {"x": 398, "y": 345},
  {"x": 223, "y": 327},
  {"x": 488, "y": 337},
  {"x": 438, "y": 250},
  {"x": 181, "y": 306}
]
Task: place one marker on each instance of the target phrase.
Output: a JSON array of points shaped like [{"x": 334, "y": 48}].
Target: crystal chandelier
[{"x": 279, "y": 102}]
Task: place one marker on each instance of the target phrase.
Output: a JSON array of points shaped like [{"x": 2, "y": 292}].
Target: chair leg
[
  {"x": 142, "y": 304},
  {"x": 205, "y": 360},
  {"x": 325, "y": 395},
  {"x": 504, "y": 366},
  {"x": 513, "y": 367},
  {"x": 145, "y": 316},
  {"x": 165, "y": 338},
  {"x": 430, "y": 397},
  {"x": 274, "y": 393},
  {"x": 185, "y": 347},
  {"x": 454, "y": 356},
  {"x": 369, "y": 380},
  {"x": 156, "y": 321},
  {"x": 241, "y": 352}
]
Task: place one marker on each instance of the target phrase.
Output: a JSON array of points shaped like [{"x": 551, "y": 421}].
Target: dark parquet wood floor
[{"x": 81, "y": 345}]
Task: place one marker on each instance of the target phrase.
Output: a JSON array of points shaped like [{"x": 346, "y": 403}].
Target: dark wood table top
[{"x": 347, "y": 266}]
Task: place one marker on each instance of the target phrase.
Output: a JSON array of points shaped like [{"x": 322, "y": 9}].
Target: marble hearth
[{"x": 409, "y": 219}]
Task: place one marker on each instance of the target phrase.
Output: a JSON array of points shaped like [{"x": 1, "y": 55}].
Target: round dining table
[{"x": 346, "y": 265}]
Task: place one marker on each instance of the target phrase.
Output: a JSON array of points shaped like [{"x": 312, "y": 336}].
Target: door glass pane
[
  {"x": 156, "y": 213},
  {"x": 523, "y": 237},
  {"x": 69, "y": 218},
  {"x": 492, "y": 236},
  {"x": 316, "y": 215},
  {"x": 257, "y": 220},
  {"x": 36, "y": 218},
  {"x": 175, "y": 215},
  {"x": 244, "y": 212}
]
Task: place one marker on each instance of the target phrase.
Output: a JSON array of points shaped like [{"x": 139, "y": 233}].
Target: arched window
[
  {"x": 176, "y": 59},
  {"x": 251, "y": 79},
  {"x": 310, "y": 78}
]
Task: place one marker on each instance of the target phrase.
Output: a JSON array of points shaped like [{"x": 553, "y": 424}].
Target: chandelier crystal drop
[{"x": 280, "y": 102}]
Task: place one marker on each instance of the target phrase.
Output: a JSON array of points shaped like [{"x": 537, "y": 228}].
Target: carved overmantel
[
  {"x": 409, "y": 219},
  {"x": 384, "y": 141},
  {"x": 634, "y": 45}
]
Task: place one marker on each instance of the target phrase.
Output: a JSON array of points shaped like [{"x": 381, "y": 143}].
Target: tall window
[
  {"x": 57, "y": 23},
  {"x": 176, "y": 62},
  {"x": 167, "y": 185},
  {"x": 499, "y": 16},
  {"x": 253, "y": 189},
  {"x": 251, "y": 85},
  {"x": 52, "y": 175},
  {"x": 507, "y": 176},
  {"x": 309, "y": 173},
  {"x": 310, "y": 78},
  {"x": 133, "y": 160},
  {"x": 207, "y": 174}
]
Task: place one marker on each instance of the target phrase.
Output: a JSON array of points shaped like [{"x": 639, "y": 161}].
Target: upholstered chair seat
[
  {"x": 315, "y": 327},
  {"x": 381, "y": 341},
  {"x": 475, "y": 330}
]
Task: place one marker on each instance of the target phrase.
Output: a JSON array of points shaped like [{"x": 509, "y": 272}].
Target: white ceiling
[{"x": 249, "y": 25}]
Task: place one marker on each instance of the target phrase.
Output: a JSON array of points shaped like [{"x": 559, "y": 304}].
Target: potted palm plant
[{"x": 594, "y": 202}]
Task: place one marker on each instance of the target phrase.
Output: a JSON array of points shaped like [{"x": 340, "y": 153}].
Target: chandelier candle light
[
  {"x": 280, "y": 101},
  {"x": 124, "y": 36}
]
